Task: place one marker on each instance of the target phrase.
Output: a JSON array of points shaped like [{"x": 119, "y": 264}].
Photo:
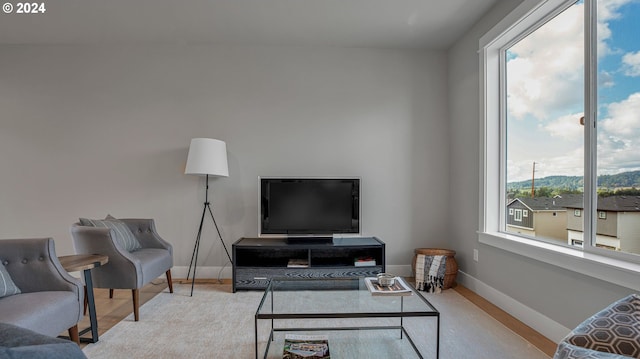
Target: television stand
[
  {"x": 309, "y": 240},
  {"x": 257, "y": 260}
]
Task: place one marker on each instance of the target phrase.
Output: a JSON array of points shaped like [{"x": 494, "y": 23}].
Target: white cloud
[
  {"x": 607, "y": 11},
  {"x": 618, "y": 134},
  {"x": 623, "y": 119},
  {"x": 616, "y": 155},
  {"x": 569, "y": 163},
  {"x": 545, "y": 84},
  {"x": 605, "y": 80},
  {"x": 556, "y": 147},
  {"x": 546, "y": 75},
  {"x": 519, "y": 170},
  {"x": 567, "y": 128},
  {"x": 631, "y": 63}
]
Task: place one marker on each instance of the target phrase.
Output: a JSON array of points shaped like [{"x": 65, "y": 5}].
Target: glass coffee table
[{"x": 357, "y": 323}]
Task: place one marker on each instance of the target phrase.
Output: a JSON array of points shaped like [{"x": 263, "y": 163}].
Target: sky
[{"x": 545, "y": 94}]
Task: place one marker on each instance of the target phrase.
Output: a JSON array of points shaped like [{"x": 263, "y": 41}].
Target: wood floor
[
  {"x": 536, "y": 339},
  {"x": 112, "y": 311}
]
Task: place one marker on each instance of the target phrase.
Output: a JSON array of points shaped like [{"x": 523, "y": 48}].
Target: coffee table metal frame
[{"x": 301, "y": 284}]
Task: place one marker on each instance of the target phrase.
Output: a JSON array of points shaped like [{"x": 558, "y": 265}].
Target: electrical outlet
[{"x": 475, "y": 255}]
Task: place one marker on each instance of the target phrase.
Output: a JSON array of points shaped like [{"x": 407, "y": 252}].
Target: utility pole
[{"x": 533, "y": 180}]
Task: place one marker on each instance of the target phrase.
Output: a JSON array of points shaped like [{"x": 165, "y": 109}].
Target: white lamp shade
[{"x": 207, "y": 157}]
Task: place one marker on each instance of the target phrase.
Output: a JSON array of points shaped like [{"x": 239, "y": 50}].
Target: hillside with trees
[{"x": 626, "y": 183}]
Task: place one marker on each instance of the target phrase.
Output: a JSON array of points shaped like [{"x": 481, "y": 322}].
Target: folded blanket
[{"x": 430, "y": 273}]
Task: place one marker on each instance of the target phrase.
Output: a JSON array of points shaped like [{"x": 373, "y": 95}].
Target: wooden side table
[{"x": 85, "y": 263}]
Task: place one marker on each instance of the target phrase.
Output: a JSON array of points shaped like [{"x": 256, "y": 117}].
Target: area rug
[{"x": 216, "y": 323}]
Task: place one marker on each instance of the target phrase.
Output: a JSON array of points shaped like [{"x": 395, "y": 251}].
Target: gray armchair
[
  {"x": 611, "y": 333},
  {"x": 51, "y": 301},
  {"x": 126, "y": 270},
  {"x": 21, "y": 343}
]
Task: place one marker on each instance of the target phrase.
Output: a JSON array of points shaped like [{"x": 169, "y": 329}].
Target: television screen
[{"x": 309, "y": 206}]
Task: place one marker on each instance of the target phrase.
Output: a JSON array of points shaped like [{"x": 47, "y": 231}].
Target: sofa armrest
[
  {"x": 34, "y": 266},
  {"x": 122, "y": 265},
  {"x": 145, "y": 231}
]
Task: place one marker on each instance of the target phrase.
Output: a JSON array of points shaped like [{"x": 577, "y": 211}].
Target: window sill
[{"x": 608, "y": 269}]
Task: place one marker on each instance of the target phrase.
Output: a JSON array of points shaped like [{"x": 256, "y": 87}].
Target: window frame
[{"x": 615, "y": 267}]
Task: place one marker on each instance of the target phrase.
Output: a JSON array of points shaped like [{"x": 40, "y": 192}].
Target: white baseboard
[
  {"x": 536, "y": 320},
  {"x": 400, "y": 270}
]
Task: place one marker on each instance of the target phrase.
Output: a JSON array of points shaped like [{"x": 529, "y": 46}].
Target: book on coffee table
[
  {"x": 399, "y": 287},
  {"x": 298, "y": 346}
]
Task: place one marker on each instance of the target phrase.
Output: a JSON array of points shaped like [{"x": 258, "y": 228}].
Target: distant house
[
  {"x": 544, "y": 217},
  {"x": 618, "y": 225}
]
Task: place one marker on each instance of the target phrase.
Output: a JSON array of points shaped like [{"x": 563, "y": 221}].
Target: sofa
[
  {"x": 50, "y": 301},
  {"x": 137, "y": 253},
  {"x": 612, "y": 333},
  {"x": 21, "y": 343}
]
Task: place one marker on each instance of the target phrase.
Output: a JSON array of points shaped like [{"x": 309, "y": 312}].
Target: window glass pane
[
  {"x": 544, "y": 136},
  {"x": 618, "y": 126}
]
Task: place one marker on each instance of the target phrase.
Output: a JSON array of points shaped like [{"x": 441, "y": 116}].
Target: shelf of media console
[{"x": 257, "y": 260}]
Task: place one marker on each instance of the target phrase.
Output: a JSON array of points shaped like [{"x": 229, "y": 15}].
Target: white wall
[
  {"x": 91, "y": 130},
  {"x": 547, "y": 291}
]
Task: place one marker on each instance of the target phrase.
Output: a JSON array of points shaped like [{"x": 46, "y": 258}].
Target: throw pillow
[
  {"x": 7, "y": 286},
  {"x": 120, "y": 231}
]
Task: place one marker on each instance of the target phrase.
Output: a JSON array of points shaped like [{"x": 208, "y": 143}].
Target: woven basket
[{"x": 451, "y": 268}]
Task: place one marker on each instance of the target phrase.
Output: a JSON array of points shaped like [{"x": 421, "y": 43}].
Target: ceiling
[{"x": 407, "y": 24}]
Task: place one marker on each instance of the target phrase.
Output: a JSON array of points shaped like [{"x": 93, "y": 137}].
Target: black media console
[{"x": 256, "y": 260}]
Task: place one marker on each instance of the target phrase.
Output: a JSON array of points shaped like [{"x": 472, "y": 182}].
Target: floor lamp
[{"x": 206, "y": 157}]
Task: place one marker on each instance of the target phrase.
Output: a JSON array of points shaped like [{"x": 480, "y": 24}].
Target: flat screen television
[{"x": 309, "y": 208}]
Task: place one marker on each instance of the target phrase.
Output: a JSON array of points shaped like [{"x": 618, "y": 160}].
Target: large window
[
  {"x": 617, "y": 135},
  {"x": 544, "y": 139},
  {"x": 561, "y": 115}
]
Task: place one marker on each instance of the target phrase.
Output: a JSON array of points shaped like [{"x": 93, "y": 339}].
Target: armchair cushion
[
  {"x": 121, "y": 233},
  {"x": 44, "y": 312},
  {"x": 153, "y": 262},
  {"x": 7, "y": 286}
]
